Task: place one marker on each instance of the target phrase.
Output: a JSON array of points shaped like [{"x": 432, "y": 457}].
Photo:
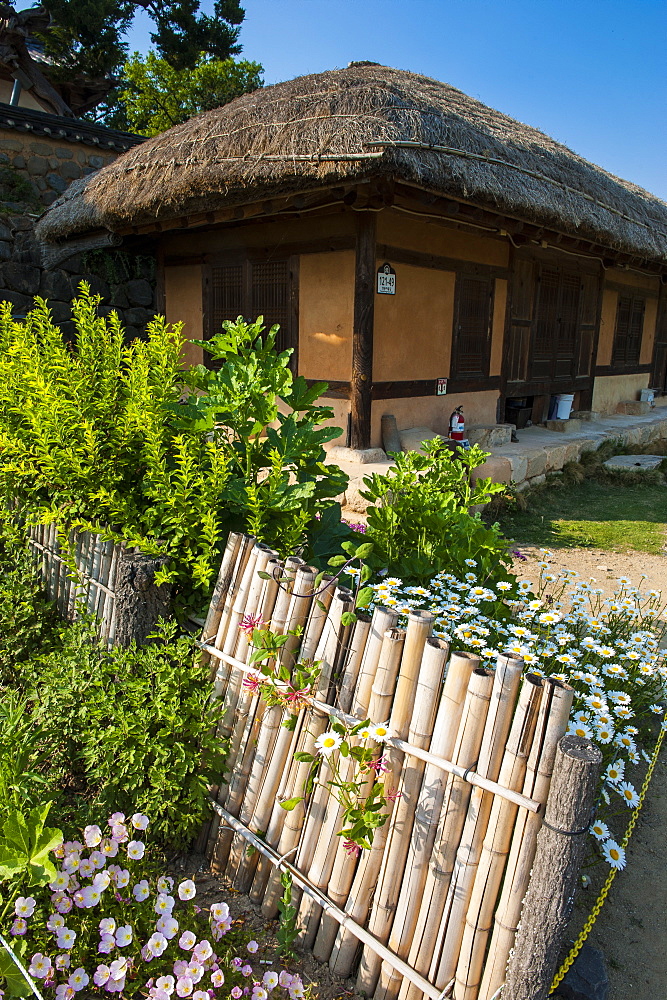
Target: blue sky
[{"x": 590, "y": 73}]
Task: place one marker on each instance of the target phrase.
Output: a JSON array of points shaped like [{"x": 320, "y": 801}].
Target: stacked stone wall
[{"x": 34, "y": 171}]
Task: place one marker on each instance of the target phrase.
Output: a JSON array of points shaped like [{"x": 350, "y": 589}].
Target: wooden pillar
[
  {"x": 362, "y": 337},
  {"x": 561, "y": 845}
]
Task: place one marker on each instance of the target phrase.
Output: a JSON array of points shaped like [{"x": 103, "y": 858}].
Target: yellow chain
[{"x": 578, "y": 944}]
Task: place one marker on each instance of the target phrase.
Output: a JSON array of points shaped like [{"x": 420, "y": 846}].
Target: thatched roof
[{"x": 357, "y": 124}]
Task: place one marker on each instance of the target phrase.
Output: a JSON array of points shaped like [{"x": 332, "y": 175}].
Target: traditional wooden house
[{"x": 419, "y": 249}]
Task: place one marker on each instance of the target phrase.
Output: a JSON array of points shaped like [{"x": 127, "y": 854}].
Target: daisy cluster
[
  {"x": 104, "y": 928},
  {"x": 563, "y": 627}
]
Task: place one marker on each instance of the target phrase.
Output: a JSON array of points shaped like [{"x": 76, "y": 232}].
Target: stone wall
[{"x": 40, "y": 156}]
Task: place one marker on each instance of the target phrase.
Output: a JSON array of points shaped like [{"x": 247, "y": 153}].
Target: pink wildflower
[
  {"x": 379, "y": 766},
  {"x": 250, "y": 622},
  {"x": 351, "y": 849}
]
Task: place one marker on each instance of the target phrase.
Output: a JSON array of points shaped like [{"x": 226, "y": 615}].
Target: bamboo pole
[
  {"x": 243, "y": 551},
  {"x": 105, "y": 566},
  {"x": 422, "y": 721},
  {"x": 240, "y": 867},
  {"x": 418, "y": 630},
  {"x": 427, "y": 812},
  {"x": 561, "y": 845},
  {"x": 450, "y": 825},
  {"x": 317, "y": 619},
  {"x": 277, "y": 818},
  {"x": 242, "y": 704},
  {"x": 221, "y": 587},
  {"x": 469, "y": 942},
  {"x": 329, "y": 847},
  {"x": 95, "y": 574},
  {"x": 77, "y": 587},
  {"x": 496, "y": 731},
  {"x": 551, "y": 726},
  {"x": 110, "y": 605},
  {"x": 278, "y": 621},
  {"x": 382, "y": 620},
  {"x": 313, "y": 726},
  {"x": 253, "y": 598},
  {"x": 302, "y": 598},
  {"x": 360, "y": 633}
]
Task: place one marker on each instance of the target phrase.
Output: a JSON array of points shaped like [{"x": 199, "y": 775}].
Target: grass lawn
[{"x": 599, "y": 515}]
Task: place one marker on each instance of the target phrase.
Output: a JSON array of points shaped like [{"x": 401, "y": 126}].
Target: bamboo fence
[
  {"x": 91, "y": 587},
  {"x": 435, "y": 903}
]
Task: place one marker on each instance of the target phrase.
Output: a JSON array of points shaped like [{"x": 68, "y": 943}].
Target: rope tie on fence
[{"x": 604, "y": 892}]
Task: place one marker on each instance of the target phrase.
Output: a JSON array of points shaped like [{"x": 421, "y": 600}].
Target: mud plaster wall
[
  {"x": 326, "y": 315},
  {"x": 608, "y": 390},
  {"x": 434, "y": 411},
  {"x": 428, "y": 236},
  {"x": 413, "y": 328}
]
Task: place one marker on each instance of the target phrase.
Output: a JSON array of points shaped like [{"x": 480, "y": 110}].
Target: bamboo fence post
[
  {"x": 302, "y": 598},
  {"x": 77, "y": 587},
  {"x": 496, "y": 731},
  {"x": 427, "y": 811},
  {"x": 386, "y": 666},
  {"x": 561, "y": 844},
  {"x": 314, "y": 725},
  {"x": 95, "y": 574},
  {"x": 383, "y": 619},
  {"x": 241, "y": 711},
  {"x": 418, "y": 631},
  {"x": 551, "y": 725},
  {"x": 422, "y": 721},
  {"x": 239, "y": 700},
  {"x": 468, "y": 933},
  {"x": 450, "y": 825},
  {"x": 110, "y": 604},
  {"x": 252, "y": 598},
  {"x": 329, "y": 844},
  {"x": 317, "y": 618},
  {"x": 105, "y": 565},
  {"x": 360, "y": 632},
  {"x": 221, "y": 587},
  {"x": 245, "y": 547}
]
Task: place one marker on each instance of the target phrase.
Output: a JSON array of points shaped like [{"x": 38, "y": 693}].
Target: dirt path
[{"x": 631, "y": 930}]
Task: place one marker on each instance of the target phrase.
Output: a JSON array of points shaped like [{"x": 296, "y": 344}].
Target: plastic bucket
[{"x": 564, "y": 405}]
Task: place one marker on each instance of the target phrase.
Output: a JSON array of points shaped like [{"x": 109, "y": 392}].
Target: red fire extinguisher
[{"x": 457, "y": 430}]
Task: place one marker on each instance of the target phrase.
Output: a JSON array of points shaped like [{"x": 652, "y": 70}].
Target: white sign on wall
[{"x": 386, "y": 280}]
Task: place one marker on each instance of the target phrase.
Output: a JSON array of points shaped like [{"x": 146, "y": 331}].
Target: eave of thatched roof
[{"x": 363, "y": 122}]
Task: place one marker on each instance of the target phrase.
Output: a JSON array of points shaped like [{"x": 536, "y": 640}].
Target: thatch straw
[
  {"x": 551, "y": 725},
  {"x": 363, "y": 122}
]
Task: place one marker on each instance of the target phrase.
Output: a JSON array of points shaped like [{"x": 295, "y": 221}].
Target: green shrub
[
  {"x": 421, "y": 522},
  {"x": 97, "y": 434},
  {"x": 129, "y": 729}
]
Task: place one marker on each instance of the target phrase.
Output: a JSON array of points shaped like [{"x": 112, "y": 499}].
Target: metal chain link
[{"x": 578, "y": 944}]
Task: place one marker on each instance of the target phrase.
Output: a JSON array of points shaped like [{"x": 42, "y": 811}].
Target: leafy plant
[
  {"x": 287, "y": 932},
  {"x": 421, "y": 516},
  {"x": 123, "y": 439},
  {"x": 130, "y": 727}
]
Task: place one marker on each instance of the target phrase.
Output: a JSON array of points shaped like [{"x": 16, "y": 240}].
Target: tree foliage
[
  {"x": 87, "y": 36},
  {"x": 155, "y": 95}
]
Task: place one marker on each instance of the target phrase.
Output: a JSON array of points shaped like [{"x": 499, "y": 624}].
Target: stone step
[
  {"x": 490, "y": 435},
  {"x": 634, "y": 407},
  {"x": 563, "y": 425}
]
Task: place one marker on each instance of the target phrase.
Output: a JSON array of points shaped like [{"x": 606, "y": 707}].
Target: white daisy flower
[
  {"x": 328, "y": 742},
  {"x": 614, "y": 854}
]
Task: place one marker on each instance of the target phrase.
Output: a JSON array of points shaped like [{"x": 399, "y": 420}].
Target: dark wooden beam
[{"x": 362, "y": 336}]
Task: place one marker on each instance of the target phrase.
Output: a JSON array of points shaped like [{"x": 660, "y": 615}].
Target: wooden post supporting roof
[{"x": 362, "y": 337}]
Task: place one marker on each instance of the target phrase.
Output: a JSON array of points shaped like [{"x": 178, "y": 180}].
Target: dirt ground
[{"x": 631, "y": 930}]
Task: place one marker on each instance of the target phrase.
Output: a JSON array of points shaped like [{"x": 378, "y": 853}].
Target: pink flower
[
  {"x": 40, "y": 966},
  {"x": 217, "y": 977},
  {"x": 252, "y": 947},
  {"x": 246, "y": 970},
  {"x": 136, "y": 850},
  {"x": 62, "y": 961},
  {"x": 184, "y": 986},
  {"x": 24, "y": 906},
  {"x": 250, "y": 622},
  {"x": 195, "y": 971},
  {"x": 118, "y": 969},
  {"x": 55, "y": 922},
  {"x": 92, "y": 835},
  {"x": 379, "y": 765},
  {"x": 157, "y": 944},
  {"x": 78, "y": 980},
  {"x": 117, "y": 817},
  {"x": 139, "y": 821},
  {"x": 251, "y": 684},
  {"x": 219, "y": 911},
  {"x": 165, "y": 983},
  {"x": 187, "y": 940},
  {"x": 393, "y": 795},
  {"x": 64, "y": 992},
  {"x": 106, "y": 945},
  {"x": 186, "y": 889},
  {"x": 19, "y": 927},
  {"x": 109, "y": 847},
  {"x": 141, "y": 891},
  {"x": 167, "y": 926},
  {"x": 236, "y": 992},
  {"x": 203, "y": 951},
  {"x": 180, "y": 968},
  {"x": 351, "y": 849}
]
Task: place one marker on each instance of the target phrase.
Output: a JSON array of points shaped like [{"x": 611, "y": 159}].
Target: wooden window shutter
[
  {"x": 521, "y": 305},
  {"x": 628, "y": 332},
  {"x": 270, "y": 297},
  {"x": 472, "y": 327},
  {"x": 225, "y": 300},
  {"x": 588, "y": 321}
]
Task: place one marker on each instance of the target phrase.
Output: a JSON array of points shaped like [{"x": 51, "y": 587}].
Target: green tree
[
  {"x": 154, "y": 95},
  {"x": 87, "y": 36}
]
